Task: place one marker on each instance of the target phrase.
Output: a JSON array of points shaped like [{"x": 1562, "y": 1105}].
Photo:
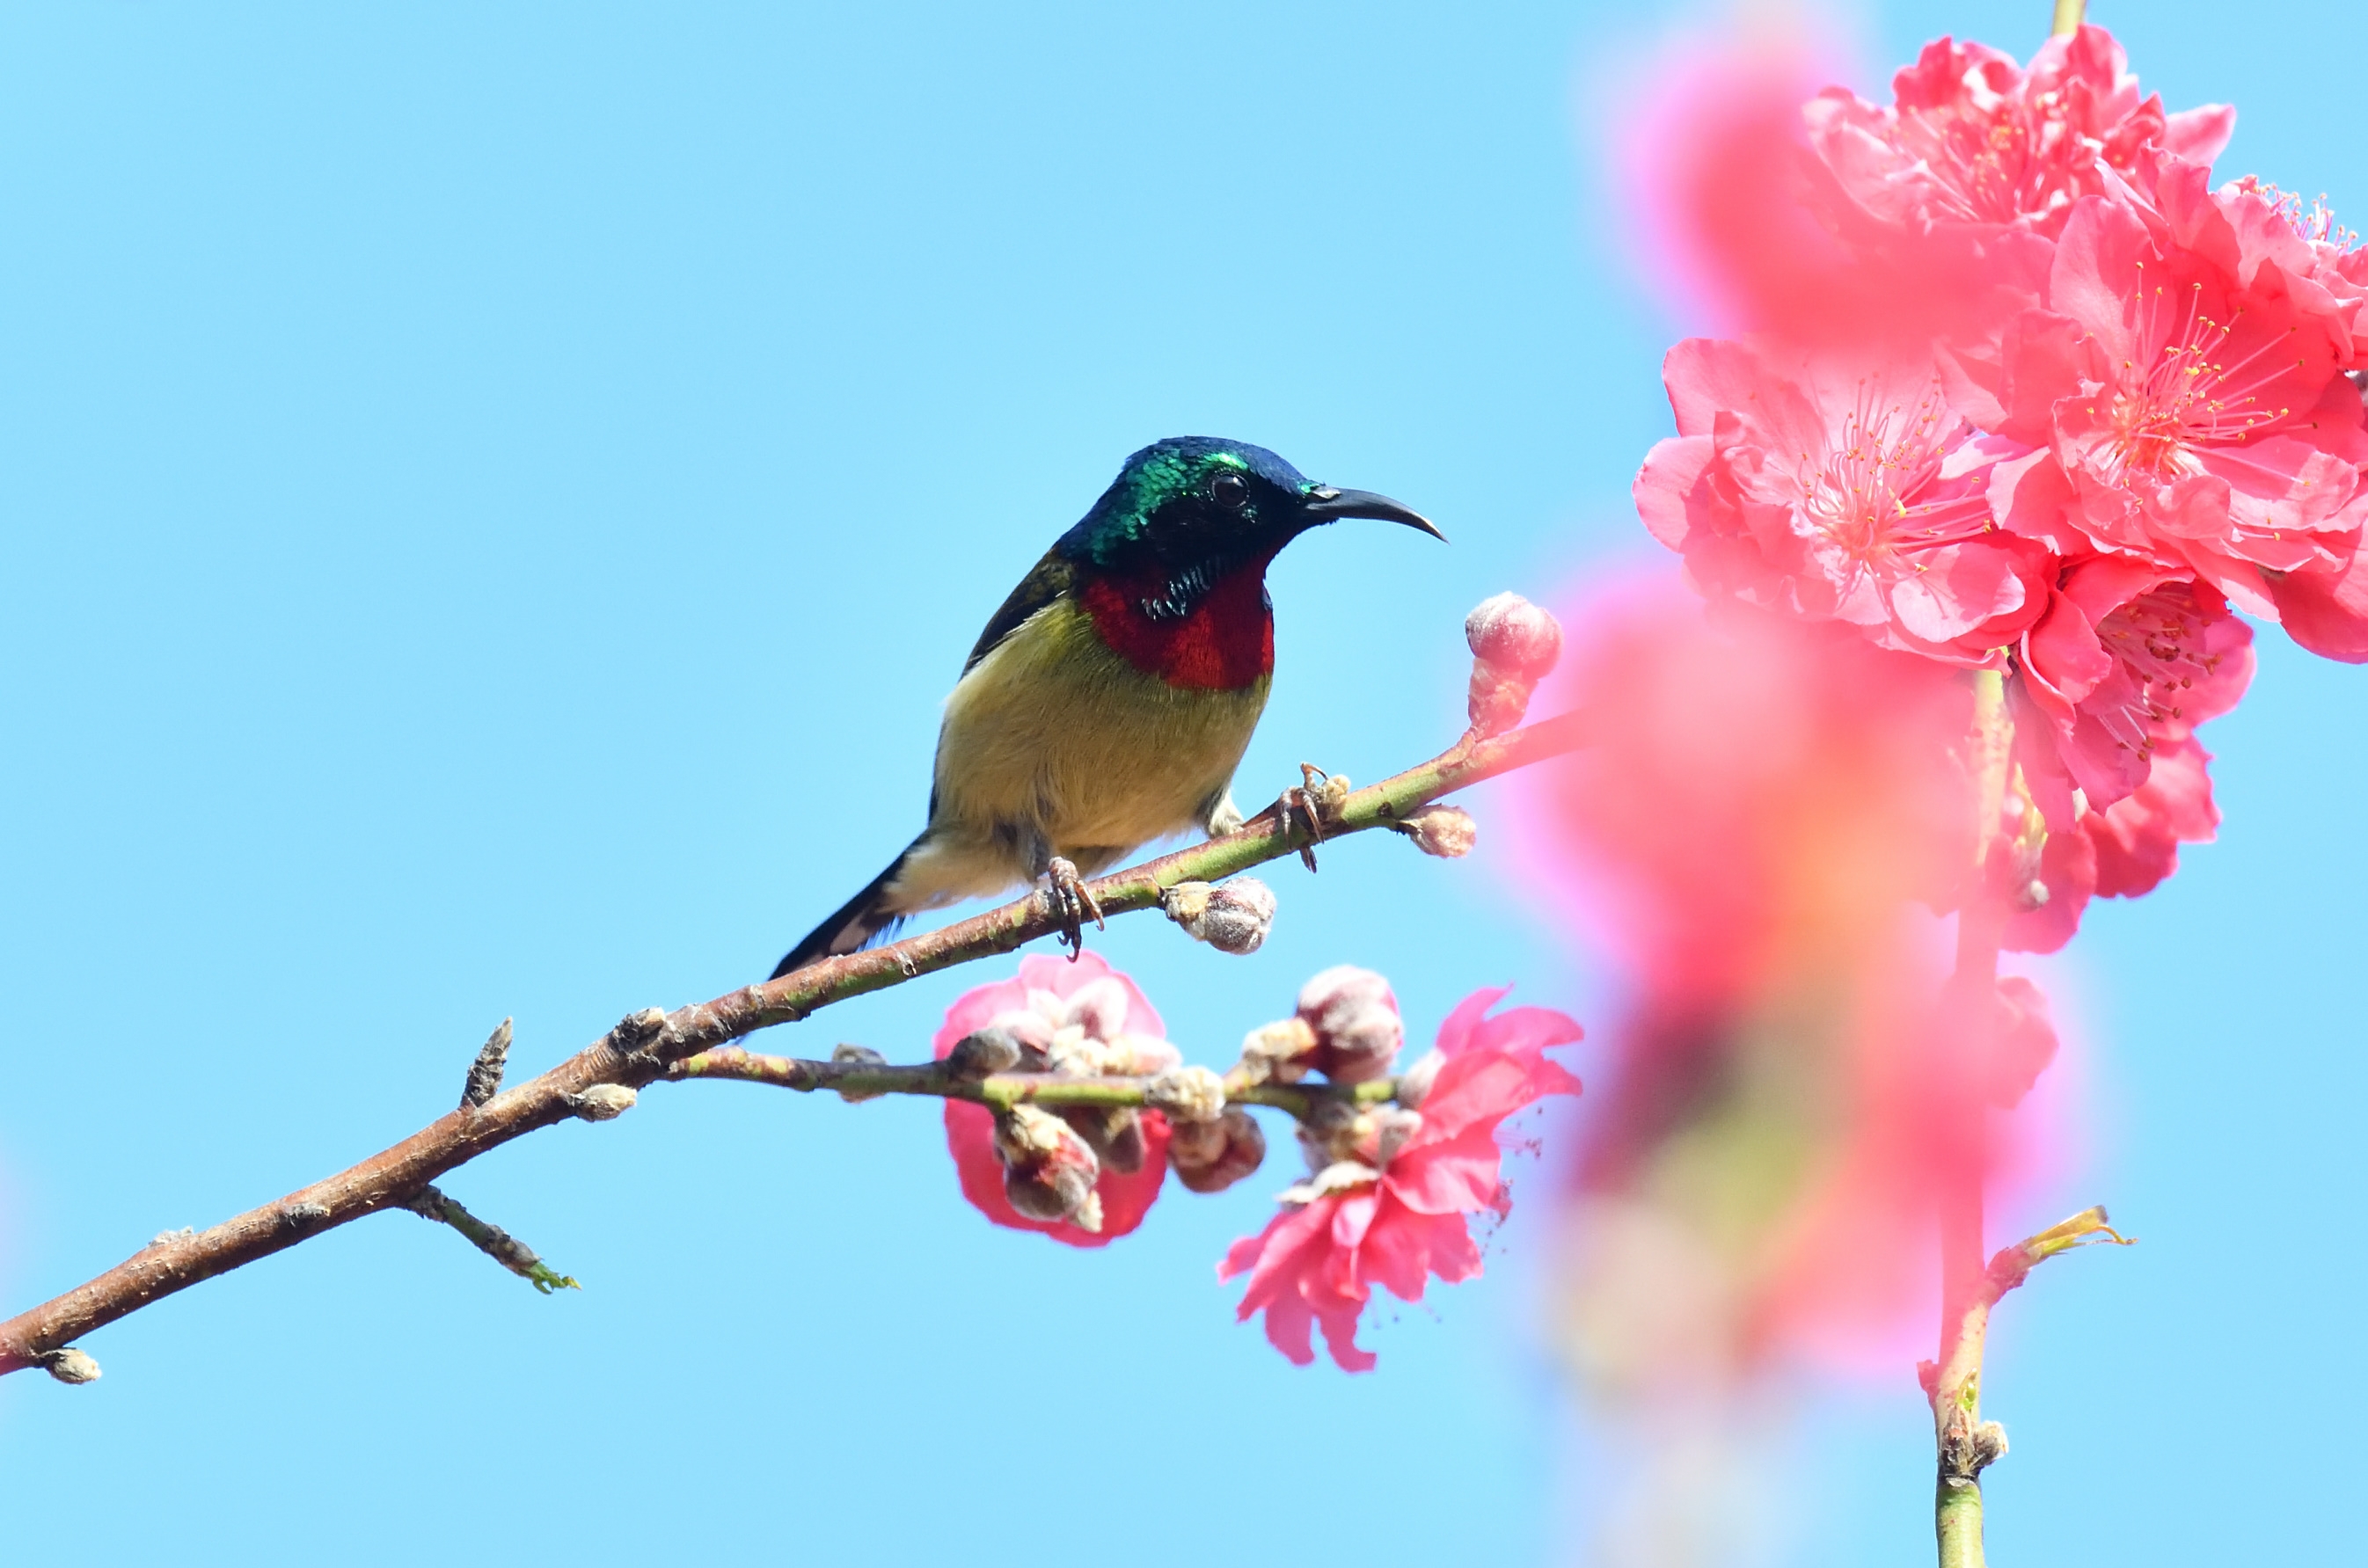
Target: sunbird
[{"x": 1108, "y": 701}]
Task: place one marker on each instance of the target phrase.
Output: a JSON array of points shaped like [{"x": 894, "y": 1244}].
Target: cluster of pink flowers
[
  {"x": 2127, "y": 406},
  {"x": 1389, "y": 1187},
  {"x": 1391, "y": 1183}
]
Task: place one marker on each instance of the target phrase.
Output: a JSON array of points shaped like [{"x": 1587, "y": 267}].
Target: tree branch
[
  {"x": 644, "y": 1046},
  {"x": 1002, "y": 1090}
]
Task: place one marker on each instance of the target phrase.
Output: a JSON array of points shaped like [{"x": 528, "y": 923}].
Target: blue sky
[{"x": 493, "y": 502}]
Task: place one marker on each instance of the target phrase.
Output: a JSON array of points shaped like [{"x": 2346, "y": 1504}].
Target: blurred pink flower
[
  {"x": 1976, "y": 140},
  {"x": 1355, "y": 1225},
  {"x": 1102, "y": 1011},
  {"x": 1763, "y": 805},
  {"x": 1800, "y": 484}
]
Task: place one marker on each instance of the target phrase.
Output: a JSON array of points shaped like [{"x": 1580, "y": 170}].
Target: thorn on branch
[
  {"x": 484, "y": 1079},
  {"x": 430, "y": 1203}
]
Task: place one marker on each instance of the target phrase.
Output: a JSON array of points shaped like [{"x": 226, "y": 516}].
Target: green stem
[
  {"x": 2069, "y": 15},
  {"x": 1958, "y": 1430}
]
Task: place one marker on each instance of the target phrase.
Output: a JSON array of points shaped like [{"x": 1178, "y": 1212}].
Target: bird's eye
[{"x": 1229, "y": 489}]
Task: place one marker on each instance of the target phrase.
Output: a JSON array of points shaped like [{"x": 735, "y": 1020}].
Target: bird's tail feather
[{"x": 860, "y": 922}]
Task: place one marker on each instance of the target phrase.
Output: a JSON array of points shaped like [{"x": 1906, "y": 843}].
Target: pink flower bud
[
  {"x": 1447, "y": 832},
  {"x": 1210, "y": 1156},
  {"x": 1498, "y": 698},
  {"x": 1233, "y": 917},
  {"x": 1355, "y": 1021},
  {"x": 1515, "y": 635},
  {"x": 1048, "y": 1171}
]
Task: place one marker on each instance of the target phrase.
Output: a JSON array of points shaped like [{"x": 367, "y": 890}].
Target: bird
[{"x": 1108, "y": 701}]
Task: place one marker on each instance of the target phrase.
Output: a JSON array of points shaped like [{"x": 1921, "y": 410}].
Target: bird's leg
[
  {"x": 1070, "y": 901},
  {"x": 1321, "y": 796}
]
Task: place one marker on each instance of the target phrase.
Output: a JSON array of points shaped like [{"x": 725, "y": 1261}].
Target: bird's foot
[
  {"x": 1310, "y": 805},
  {"x": 1070, "y": 901}
]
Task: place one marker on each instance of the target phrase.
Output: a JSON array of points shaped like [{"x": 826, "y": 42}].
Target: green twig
[{"x": 504, "y": 1248}]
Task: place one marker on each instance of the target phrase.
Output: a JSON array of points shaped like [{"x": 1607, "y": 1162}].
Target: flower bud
[
  {"x": 602, "y": 1102},
  {"x": 1514, "y": 643},
  {"x": 1497, "y": 701},
  {"x": 869, "y": 1057},
  {"x": 1447, "y": 832},
  {"x": 1187, "y": 1095},
  {"x": 1210, "y": 1156},
  {"x": 1048, "y": 1172},
  {"x": 1113, "y": 1132},
  {"x": 1362, "y": 1135},
  {"x": 1233, "y": 917},
  {"x": 1277, "y": 1052},
  {"x": 1139, "y": 1056},
  {"x": 1515, "y": 635},
  {"x": 71, "y": 1366},
  {"x": 982, "y": 1055},
  {"x": 1414, "y": 1083},
  {"x": 1098, "y": 1008},
  {"x": 1354, "y": 1019}
]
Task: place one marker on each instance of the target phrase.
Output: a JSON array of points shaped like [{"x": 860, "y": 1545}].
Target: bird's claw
[
  {"x": 1070, "y": 901},
  {"x": 1321, "y": 796}
]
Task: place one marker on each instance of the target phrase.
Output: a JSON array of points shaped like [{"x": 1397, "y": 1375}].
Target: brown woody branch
[{"x": 645, "y": 1045}]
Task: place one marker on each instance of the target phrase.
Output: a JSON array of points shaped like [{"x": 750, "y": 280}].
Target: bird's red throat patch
[{"x": 1223, "y": 644}]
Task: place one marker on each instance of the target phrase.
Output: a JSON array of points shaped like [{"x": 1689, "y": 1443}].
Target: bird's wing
[{"x": 1048, "y": 582}]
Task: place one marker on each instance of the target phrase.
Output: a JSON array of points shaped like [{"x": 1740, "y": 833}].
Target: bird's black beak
[{"x": 1327, "y": 503}]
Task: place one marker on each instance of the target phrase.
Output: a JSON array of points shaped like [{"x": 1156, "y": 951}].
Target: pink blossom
[
  {"x": 1357, "y": 1225},
  {"x": 1084, "y": 1012},
  {"x": 1976, "y": 141},
  {"x": 2126, "y": 659},
  {"x": 2122, "y": 851},
  {"x": 2180, "y": 404},
  {"x": 1800, "y": 487}
]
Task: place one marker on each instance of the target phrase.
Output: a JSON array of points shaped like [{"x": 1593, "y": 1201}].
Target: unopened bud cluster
[
  {"x": 1514, "y": 646},
  {"x": 1345, "y": 1027},
  {"x": 1052, "y": 1158}
]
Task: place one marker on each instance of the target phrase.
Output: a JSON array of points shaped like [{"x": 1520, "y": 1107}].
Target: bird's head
[{"x": 1192, "y": 508}]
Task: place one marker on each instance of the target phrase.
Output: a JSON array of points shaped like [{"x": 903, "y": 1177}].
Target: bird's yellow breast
[{"x": 1053, "y": 734}]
